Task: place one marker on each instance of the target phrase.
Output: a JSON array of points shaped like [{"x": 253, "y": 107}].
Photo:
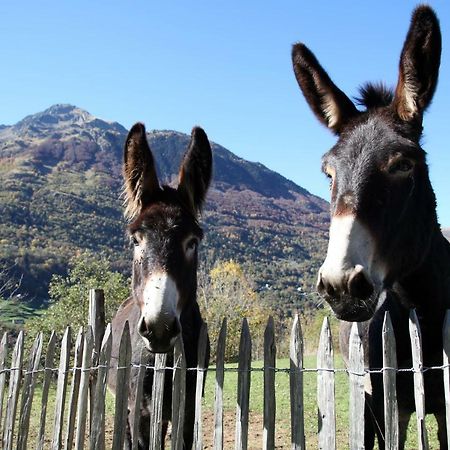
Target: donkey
[
  {"x": 386, "y": 250},
  {"x": 165, "y": 233}
]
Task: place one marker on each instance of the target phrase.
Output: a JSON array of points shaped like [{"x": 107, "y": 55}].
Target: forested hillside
[{"x": 60, "y": 194}]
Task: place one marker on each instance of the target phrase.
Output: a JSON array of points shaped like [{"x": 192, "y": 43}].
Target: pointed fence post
[
  {"x": 390, "y": 385},
  {"x": 157, "y": 401},
  {"x": 296, "y": 386},
  {"x": 218, "y": 398},
  {"x": 3, "y": 358},
  {"x": 28, "y": 393},
  {"x": 357, "y": 395},
  {"x": 139, "y": 389},
  {"x": 178, "y": 394},
  {"x": 419, "y": 389},
  {"x": 97, "y": 434},
  {"x": 201, "y": 368},
  {"x": 74, "y": 390},
  {"x": 446, "y": 364},
  {"x": 84, "y": 387},
  {"x": 49, "y": 365},
  {"x": 98, "y": 323},
  {"x": 325, "y": 389},
  {"x": 243, "y": 389},
  {"x": 13, "y": 394},
  {"x": 123, "y": 381},
  {"x": 61, "y": 388},
  {"x": 269, "y": 386}
]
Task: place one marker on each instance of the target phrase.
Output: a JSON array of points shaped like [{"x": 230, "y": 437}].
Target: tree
[
  {"x": 227, "y": 292},
  {"x": 69, "y": 295}
]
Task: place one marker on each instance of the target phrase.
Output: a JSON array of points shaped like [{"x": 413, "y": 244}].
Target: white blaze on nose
[
  {"x": 160, "y": 298},
  {"x": 350, "y": 246}
]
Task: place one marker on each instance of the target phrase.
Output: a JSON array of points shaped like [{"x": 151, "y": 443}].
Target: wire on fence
[{"x": 231, "y": 369}]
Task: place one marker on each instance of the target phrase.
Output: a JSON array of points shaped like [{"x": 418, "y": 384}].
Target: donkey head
[
  {"x": 382, "y": 203},
  {"x": 165, "y": 234}
]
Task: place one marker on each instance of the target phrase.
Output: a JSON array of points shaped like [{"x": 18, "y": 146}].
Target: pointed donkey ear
[
  {"x": 419, "y": 65},
  {"x": 141, "y": 181},
  {"x": 195, "y": 171},
  {"x": 331, "y": 106}
]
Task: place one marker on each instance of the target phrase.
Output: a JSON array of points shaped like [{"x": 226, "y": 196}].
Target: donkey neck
[{"x": 428, "y": 287}]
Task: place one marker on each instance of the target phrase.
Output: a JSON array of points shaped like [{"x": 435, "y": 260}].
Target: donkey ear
[
  {"x": 141, "y": 181},
  {"x": 195, "y": 171},
  {"x": 419, "y": 65},
  {"x": 331, "y": 106}
]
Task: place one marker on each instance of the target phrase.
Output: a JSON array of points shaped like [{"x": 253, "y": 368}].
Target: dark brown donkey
[
  {"x": 386, "y": 250},
  {"x": 165, "y": 234}
]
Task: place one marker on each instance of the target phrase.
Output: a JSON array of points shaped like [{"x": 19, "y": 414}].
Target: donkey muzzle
[
  {"x": 159, "y": 337},
  {"x": 159, "y": 325}
]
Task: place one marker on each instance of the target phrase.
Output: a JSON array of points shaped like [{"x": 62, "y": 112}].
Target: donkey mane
[{"x": 374, "y": 95}]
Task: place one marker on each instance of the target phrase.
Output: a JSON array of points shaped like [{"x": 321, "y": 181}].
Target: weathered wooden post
[
  {"x": 98, "y": 323},
  {"x": 243, "y": 390},
  {"x": 325, "y": 389},
  {"x": 269, "y": 385},
  {"x": 296, "y": 386}
]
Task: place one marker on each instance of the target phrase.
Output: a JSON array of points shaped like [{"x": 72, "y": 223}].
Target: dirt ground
[{"x": 255, "y": 431}]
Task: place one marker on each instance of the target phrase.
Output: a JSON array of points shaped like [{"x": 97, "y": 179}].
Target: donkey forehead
[
  {"x": 369, "y": 143},
  {"x": 166, "y": 220}
]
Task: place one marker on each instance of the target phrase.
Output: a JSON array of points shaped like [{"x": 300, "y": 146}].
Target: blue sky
[{"x": 225, "y": 66}]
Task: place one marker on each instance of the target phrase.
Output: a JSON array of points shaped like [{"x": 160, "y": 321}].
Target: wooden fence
[{"x": 88, "y": 363}]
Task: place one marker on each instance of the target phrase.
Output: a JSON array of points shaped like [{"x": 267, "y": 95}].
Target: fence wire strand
[{"x": 229, "y": 369}]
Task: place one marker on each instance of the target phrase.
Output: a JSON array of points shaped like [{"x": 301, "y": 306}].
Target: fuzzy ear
[
  {"x": 419, "y": 65},
  {"x": 195, "y": 171},
  {"x": 141, "y": 181},
  {"x": 331, "y": 106}
]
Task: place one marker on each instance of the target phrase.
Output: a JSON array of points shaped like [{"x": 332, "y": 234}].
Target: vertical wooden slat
[
  {"x": 390, "y": 385},
  {"x": 13, "y": 393},
  {"x": 98, "y": 323},
  {"x": 201, "y": 367},
  {"x": 97, "y": 434},
  {"x": 243, "y": 389},
  {"x": 28, "y": 392},
  {"x": 134, "y": 419},
  {"x": 49, "y": 364},
  {"x": 84, "y": 385},
  {"x": 419, "y": 390},
  {"x": 446, "y": 363},
  {"x": 269, "y": 386},
  {"x": 3, "y": 357},
  {"x": 357, "y": 396},
  {"x": 296, "y": 386},
  {"x": 61, "y": 391},
  {"x": 157, "y": 401},
  {"x": 178, "y": 395},
  {"x": 97, "y": 316},
  {"x": 218, "y": 399},
  {"x": 74, "y": 391},
  {"x": 325, "y": 389},
  {"x": 123, "y": 380}
]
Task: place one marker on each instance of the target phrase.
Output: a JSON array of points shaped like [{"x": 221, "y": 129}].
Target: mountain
[{"x": 60, "y": 193}]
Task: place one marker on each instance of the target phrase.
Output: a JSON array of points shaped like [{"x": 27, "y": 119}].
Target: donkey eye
[
  {"x": 192, "y": 244},
  {"x": 190, "y": 247},
  {"x": 401, "y": 167},
  {"x": 134, "y": 240}
]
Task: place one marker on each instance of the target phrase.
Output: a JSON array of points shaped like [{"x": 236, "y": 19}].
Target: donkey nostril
[
  {"x": 330, "y": 289},
  {"x": 359, "y": 286},
  {"x": 142, "y": 328},
  {"x": 323, "y": 286},
  {"x": 175, "y": 328}
]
